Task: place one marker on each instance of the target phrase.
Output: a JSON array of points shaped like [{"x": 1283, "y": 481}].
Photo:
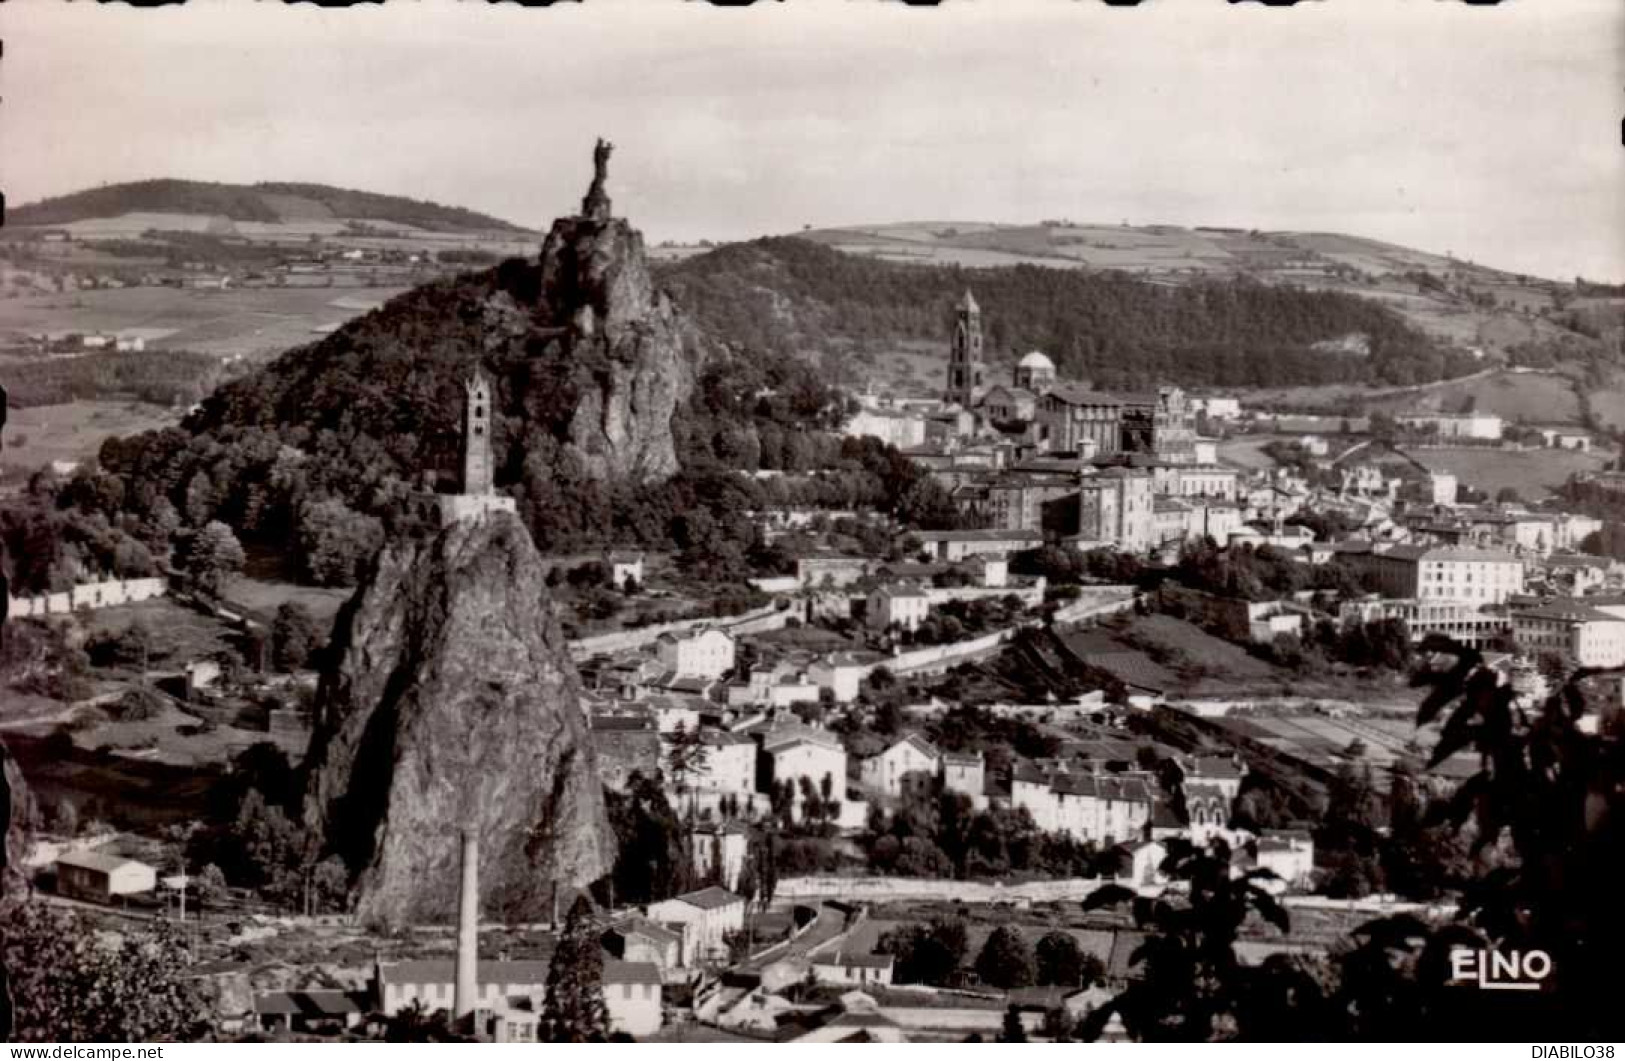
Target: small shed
[
  {"x": 315, "y": 1012},
  {"x": 98, "y": 877}
]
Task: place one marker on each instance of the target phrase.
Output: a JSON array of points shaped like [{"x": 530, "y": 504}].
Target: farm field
[
  {"x": 179, "y": 634},
  {"x": 1159, "y": 651},
  {"x": 1327, "y": 740},
  {"x": 75, "y": 431},
  {"x": 265, "y": 597},
  {"x": 1533, "y": 397},
  {"x": 130, "y": 793},
  {"x": 1532, "y": 473},
  {"x": 915, "y": 369},
  {"x": 1247, "y": 451},
  {"x": 1608, "y": 404},
  {"x": 174, "y": 738},
  {"x": 249, "y": 322},
  {"x": 1187, "y": 663}
]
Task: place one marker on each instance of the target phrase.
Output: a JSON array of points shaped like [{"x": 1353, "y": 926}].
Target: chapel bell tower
[{"x": 477, "y": 477}]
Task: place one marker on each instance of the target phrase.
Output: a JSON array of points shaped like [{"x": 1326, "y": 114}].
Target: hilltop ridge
[{"x": 264, "y": 203}]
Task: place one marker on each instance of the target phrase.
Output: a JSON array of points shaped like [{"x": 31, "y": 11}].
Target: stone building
[{"x": 1117, "y": 506}]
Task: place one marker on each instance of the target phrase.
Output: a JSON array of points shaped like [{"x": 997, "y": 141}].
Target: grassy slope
[{"x": 75, "y": 431}]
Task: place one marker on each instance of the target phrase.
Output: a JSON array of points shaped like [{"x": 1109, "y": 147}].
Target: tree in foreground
[
  {"x": 1548, "y": 803},
  {"x": 1191, "y": 984},
  {"x": 573, "y": 1010},
  {"x": 71, "y": 984},
  {"x": 1545, "y": 816}
]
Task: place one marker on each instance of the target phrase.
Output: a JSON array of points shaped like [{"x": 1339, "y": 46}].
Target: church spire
[{"x": 965, "y": 368}]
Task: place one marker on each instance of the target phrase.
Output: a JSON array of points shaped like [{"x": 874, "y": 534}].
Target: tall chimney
[{"x": 468, "y": 932}]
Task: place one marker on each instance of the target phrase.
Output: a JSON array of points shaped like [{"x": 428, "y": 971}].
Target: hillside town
[
  {"x": 720, "y": 605},
  {"x": 810, "y": 753}
]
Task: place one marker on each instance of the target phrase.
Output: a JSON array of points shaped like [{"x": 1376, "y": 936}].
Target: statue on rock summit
[{"x": 596, "y": 205}]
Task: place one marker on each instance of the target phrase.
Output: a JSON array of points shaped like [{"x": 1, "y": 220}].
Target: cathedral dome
[{"x": 1036, "y": 360}]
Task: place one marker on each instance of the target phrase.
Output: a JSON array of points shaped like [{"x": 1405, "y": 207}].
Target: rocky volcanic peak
[
  {"x": 591, "y": 364},
  {"x": 594, "y": 286},
  {"x": 452, "y": 703}
]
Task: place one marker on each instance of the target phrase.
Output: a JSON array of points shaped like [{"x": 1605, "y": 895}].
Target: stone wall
[
  {"x": 454, "y": 507},
  {"x": 1031, "y": 593},
  {"x": 959, "y": 1021},
  {"x": 1097, "y": 602},
  {"x": 767, "y": 617},
  {"x": 88, "y": 595},
  {"x": 888, "y": 889},
  {"x": 944, "y": 656}
]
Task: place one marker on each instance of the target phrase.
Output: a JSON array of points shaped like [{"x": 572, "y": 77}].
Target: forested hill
[
  {"x": 791, "y": 296},
  {"x": 267, "y": 202}
]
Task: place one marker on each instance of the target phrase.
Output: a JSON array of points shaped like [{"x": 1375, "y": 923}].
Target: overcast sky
[{"x": 1489, "y": 132}]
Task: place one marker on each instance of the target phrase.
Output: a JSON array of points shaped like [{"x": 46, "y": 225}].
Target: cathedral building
[
  {"x": 1065, "y": 416},
  {"x": 1074, "y": 417}
]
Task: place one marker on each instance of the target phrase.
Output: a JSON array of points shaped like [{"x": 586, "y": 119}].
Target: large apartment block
[{"x": 1431, "y": 573}]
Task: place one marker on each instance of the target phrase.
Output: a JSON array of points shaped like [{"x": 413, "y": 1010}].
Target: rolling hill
[
  {"x": 791, "y": 296},
  {"x": 1452, "y": 300},
  {"x": 246, "y": 208}
]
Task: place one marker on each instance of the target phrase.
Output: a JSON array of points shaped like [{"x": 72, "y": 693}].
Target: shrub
[{"x": 139, "y": 704}]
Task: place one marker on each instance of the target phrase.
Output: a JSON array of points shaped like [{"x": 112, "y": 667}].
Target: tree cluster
[{"x": 70, "y": 983}]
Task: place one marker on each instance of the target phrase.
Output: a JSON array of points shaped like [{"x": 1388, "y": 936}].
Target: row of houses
[
  {"x": 509, "y": 1008},
  {"x": 913, "y": 766},
  {"x": 1090, "y": 804}
]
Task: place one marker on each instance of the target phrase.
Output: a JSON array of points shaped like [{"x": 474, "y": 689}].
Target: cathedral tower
[
  {"x": 477, "y": 478},
  {"x": 965, "y": 358}
]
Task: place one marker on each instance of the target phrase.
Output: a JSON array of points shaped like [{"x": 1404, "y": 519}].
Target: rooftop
[
  {"x": 855, "y": 961},
  {"x": 924, "y": 746},
  {"x": 616, "y": 972},
  {"x": 642, "y": 926},
  {"x": 1078, "y": 394},
  {"x": 1452, "y": 553},
  {"x": 1567, "y": 612},
  {"x": 95, "y": 860},
  {"x": 442, "y": 971},
  {"x": 712, "y": 898},
  {"x": 979, "y": 536},
  {"x": 1215, "y": 766},
  {"x": 315, "y": 1003}
]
